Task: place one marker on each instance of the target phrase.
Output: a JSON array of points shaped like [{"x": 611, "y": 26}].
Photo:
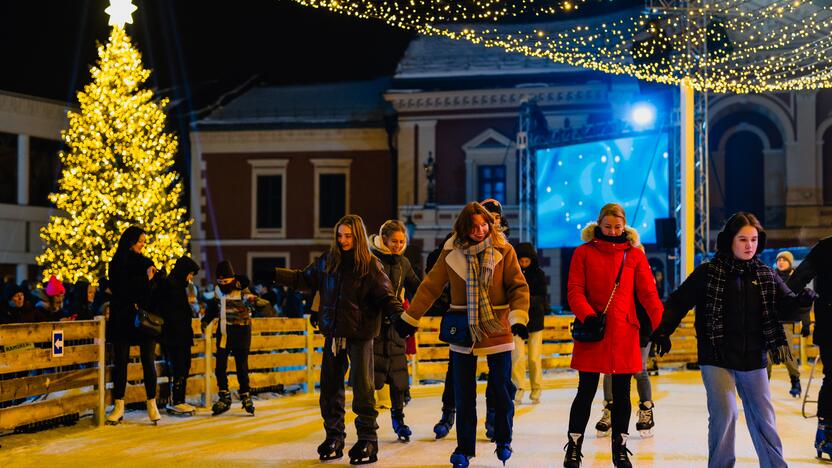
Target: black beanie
[
  {"x": 493, "y": 206},
  {"x": 224, "y": 269}
]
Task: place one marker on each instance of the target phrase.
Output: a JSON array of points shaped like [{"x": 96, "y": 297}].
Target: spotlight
[{"x": 643, "y": 115}]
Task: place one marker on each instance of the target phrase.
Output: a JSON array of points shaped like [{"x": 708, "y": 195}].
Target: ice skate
[
  {"x": 331, "y": 449},
  {"x": 795, "y": 391},
  {"x": 605, "y": 423},
  {"x": 153, "y": 411},
  {"x": 645, "y": 424},
  {"x": 620, "y": 452},
  {"x": 446, "y": 422},
  {"x": 117, "y": 414},
  {"x": 823, "y": 441},
  {"x": 489, "y": 424},
  {"x": 181, "y": 409},
  {"x": 459, "y": 460},
  {"x": 247, "y": 403},
  {"x": 364, "y": 452},
  {"x": 535, "y": 397},
  {"x": 399, "y": 427},
  {"x": 573, "y": 451},
  {"x": 503, "y": 452},
  {"x": 223, "y": 404}
]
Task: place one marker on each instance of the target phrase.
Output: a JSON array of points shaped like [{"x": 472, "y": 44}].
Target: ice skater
[{"x": 354, "y": 296}]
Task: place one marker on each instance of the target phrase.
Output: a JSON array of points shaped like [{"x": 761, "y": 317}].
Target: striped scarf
[
  {"x": 777, "y": 348},
  {"x": 481, "y": 317}
]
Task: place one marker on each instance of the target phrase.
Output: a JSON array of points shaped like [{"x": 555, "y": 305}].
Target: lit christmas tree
[{"x": 118, "y": 169}]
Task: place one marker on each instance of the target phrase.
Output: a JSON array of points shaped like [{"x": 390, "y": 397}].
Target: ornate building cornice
[{"x": 276, "y": 141}]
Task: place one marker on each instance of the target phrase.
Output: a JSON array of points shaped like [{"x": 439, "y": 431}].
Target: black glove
[
  {"x": 661, "y": 342},
  {"x": 403, "y": 328},
  {"x": 806, "y": 331},
  {"x": 313, "y": 319},
  {"x": 518, "y": 329}
]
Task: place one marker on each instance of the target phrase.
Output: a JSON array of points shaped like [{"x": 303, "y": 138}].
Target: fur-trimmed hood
[
  {"x": 377, "y": 243},
  {"x": 588, "y": 234}
]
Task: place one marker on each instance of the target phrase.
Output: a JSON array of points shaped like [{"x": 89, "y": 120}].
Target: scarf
[
  {"x": 774, "y": 338},
  {"x": 480, "y": 271}
]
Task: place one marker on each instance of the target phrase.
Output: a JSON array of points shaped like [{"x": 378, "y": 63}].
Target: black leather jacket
[{"x": 351, "y": 306}]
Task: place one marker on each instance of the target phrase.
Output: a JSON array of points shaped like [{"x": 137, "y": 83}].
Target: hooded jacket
[
  {"x": 131, "y": 289},
  {"x": 592, "y": 274},
  {"x": 538, "y": 286},
  {"x": 172, "y": 304}
]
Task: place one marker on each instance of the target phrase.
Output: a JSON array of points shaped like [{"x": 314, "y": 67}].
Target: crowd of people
[{"x": 492, "y": 297}]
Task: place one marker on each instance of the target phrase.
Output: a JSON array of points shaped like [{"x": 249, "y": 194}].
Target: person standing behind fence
[
  {"x": 594, "y": 288},
  {"x": 785, "y": 269},
  {"x": 177, "y": 332},
  {"x": 16, "y": 309},
  {"x": 388, "y": 347},
  {"x": 738, "y": 302},
  {"x": 130, "y": 275},
  {"x": 354, "y": 295},
  {"x": 233, "y": 306},
  {"x": 489, "y": 302},
  {"x": 80, "y": 304},
  {"x": 538, "y": 308}
]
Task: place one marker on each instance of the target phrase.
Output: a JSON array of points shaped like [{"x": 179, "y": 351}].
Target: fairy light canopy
[{"x": 720, "y": 45}]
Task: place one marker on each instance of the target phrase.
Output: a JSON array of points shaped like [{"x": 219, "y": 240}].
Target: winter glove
[
  {"x": 661, "y": 342},
  {"x": 313, "y": 319},
  {"x": 403, "y": 328},
  {"x": 518, "y": 329},
  {"x": 806, "y": 332}
]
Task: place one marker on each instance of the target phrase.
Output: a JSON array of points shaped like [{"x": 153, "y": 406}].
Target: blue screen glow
[{"x": 574, "y": 182}]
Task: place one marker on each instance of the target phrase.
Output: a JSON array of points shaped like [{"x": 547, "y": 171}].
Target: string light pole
[{"x": 117, "y": 170}]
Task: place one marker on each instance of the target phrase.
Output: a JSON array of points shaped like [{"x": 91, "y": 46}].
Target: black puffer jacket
[
  {"x": 130, "y": 288},
  {"x": 351, "y": 306},
  {"x": 390, "y": 361},
  {"x": 171, "y": 300},
  {"x": 538, "y": 286},
  {"x": 818, "y": 266}
]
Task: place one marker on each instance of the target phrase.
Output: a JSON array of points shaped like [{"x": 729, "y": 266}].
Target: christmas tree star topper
[{"x": 121, "y": 12}]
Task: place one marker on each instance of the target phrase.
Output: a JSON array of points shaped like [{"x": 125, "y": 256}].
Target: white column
[
  {"x": 22, "y": 270},
  {"x": 801, "y": 174},
  {"x": 427, "y": 145},
  {"x": 686, "y": 127}
]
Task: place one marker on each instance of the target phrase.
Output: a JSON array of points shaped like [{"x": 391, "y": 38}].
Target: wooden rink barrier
[{"x": 36, "y": 386}]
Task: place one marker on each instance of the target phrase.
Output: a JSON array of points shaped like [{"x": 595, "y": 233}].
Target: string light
[
  {"x": 780, "y": 45},
  {"x": 117, "y": 172}
]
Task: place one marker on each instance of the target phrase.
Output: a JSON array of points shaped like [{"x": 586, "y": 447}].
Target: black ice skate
[
  {"x": 446, "y": 422},
  {"x": 823, "y": 441},
  {"x": 246, "y": 403},
  {"x": 331, "y": 449},
  {"x": 620, "y": 452},
  {"x": 573, "y": 451},
  {"x": 364, "y": 452},
  {"x": 223, "y": 404},
  {"x": 645, "y": 424},
  {"x": 503, "y": 452},
  {"x": 605, "y": 423},
  {"x": 399, "y": 427},
  {"x": 795, "y": 391}
]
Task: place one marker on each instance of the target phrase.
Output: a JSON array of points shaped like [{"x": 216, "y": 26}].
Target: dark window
[
  {"x": 332, "y": 205},
  {"x": 492, "y": 182},
  {"x": 8, "y": 162},
  {"x": 262, "y": 268},
  {"x": 270, "y": 201},
  {"x": 44, "y": 170}
]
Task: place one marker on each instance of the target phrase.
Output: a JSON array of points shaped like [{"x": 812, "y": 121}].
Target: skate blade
[
  {"x": 646, "y": 434},
  {"x": 335, "y": 456},
  {"x": 363, "y": 461},
  {"x": 603, "y": 433},
  {"x": 113, "y": 423}
]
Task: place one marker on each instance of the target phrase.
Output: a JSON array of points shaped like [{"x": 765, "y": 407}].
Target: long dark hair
[{"x": 128, "y": 239}]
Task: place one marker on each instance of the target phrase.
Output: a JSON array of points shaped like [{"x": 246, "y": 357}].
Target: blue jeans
[
  {"x": 465, "y": 396},
  {"x": 721, "y": 386}
]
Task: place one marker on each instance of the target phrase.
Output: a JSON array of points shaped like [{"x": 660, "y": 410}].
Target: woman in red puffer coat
[{"x": 592, "y": 275}]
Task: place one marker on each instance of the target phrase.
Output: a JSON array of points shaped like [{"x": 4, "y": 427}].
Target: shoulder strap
[{"x": 617, "y": 281}]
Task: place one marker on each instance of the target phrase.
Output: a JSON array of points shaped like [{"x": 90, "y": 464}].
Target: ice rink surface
[{"x": 286, "y": 431}]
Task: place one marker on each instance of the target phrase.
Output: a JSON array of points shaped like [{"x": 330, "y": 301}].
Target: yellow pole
[{"x": 688, "y": 204}]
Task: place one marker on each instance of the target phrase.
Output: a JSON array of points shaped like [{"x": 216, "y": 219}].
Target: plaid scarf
[
  {"x": 774, "y": 337},
  {"x": 481, "y": 317}
]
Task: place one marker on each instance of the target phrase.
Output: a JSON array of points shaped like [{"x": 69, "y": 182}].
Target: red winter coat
[{"x": 591, "y": 279}]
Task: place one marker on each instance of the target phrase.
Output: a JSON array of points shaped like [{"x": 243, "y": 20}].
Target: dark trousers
[
  {"x": 825, "y": 395},
  {"x": 582, "y": 405},
  {"x": 121, "y": 357},
  {"x": 240, "y": 359},
  {"x": 358, "y": 357},
  {"x": 179, "y": 366},
  {"x": 448, "y": 402},
  {"x": 465, "y": 395}
]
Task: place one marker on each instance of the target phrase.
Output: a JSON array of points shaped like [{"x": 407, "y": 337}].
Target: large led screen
[{"x": 574, "y": 182}]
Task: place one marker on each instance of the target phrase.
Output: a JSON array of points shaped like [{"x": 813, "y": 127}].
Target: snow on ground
[{"x": 286, "y": 431}]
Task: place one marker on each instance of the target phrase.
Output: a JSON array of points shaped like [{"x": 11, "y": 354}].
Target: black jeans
[
  {"x": 582, "y": 405},
  {"x": 179, "y": 367},
  {"x": 121, "y": 357},
  {"x": 825, "y": 395},
  {"x": 237, "y": 343},
  {"x": 358, "y": 356},
  {"x": 465, "y": 393},
  {"x": 448, "y": 403}
]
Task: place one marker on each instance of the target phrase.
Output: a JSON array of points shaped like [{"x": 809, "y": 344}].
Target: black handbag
[
  {"x": 148, "y": 323},
  {"x": 454, "y": 330},
  {"x": 594, "y": 331}
]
